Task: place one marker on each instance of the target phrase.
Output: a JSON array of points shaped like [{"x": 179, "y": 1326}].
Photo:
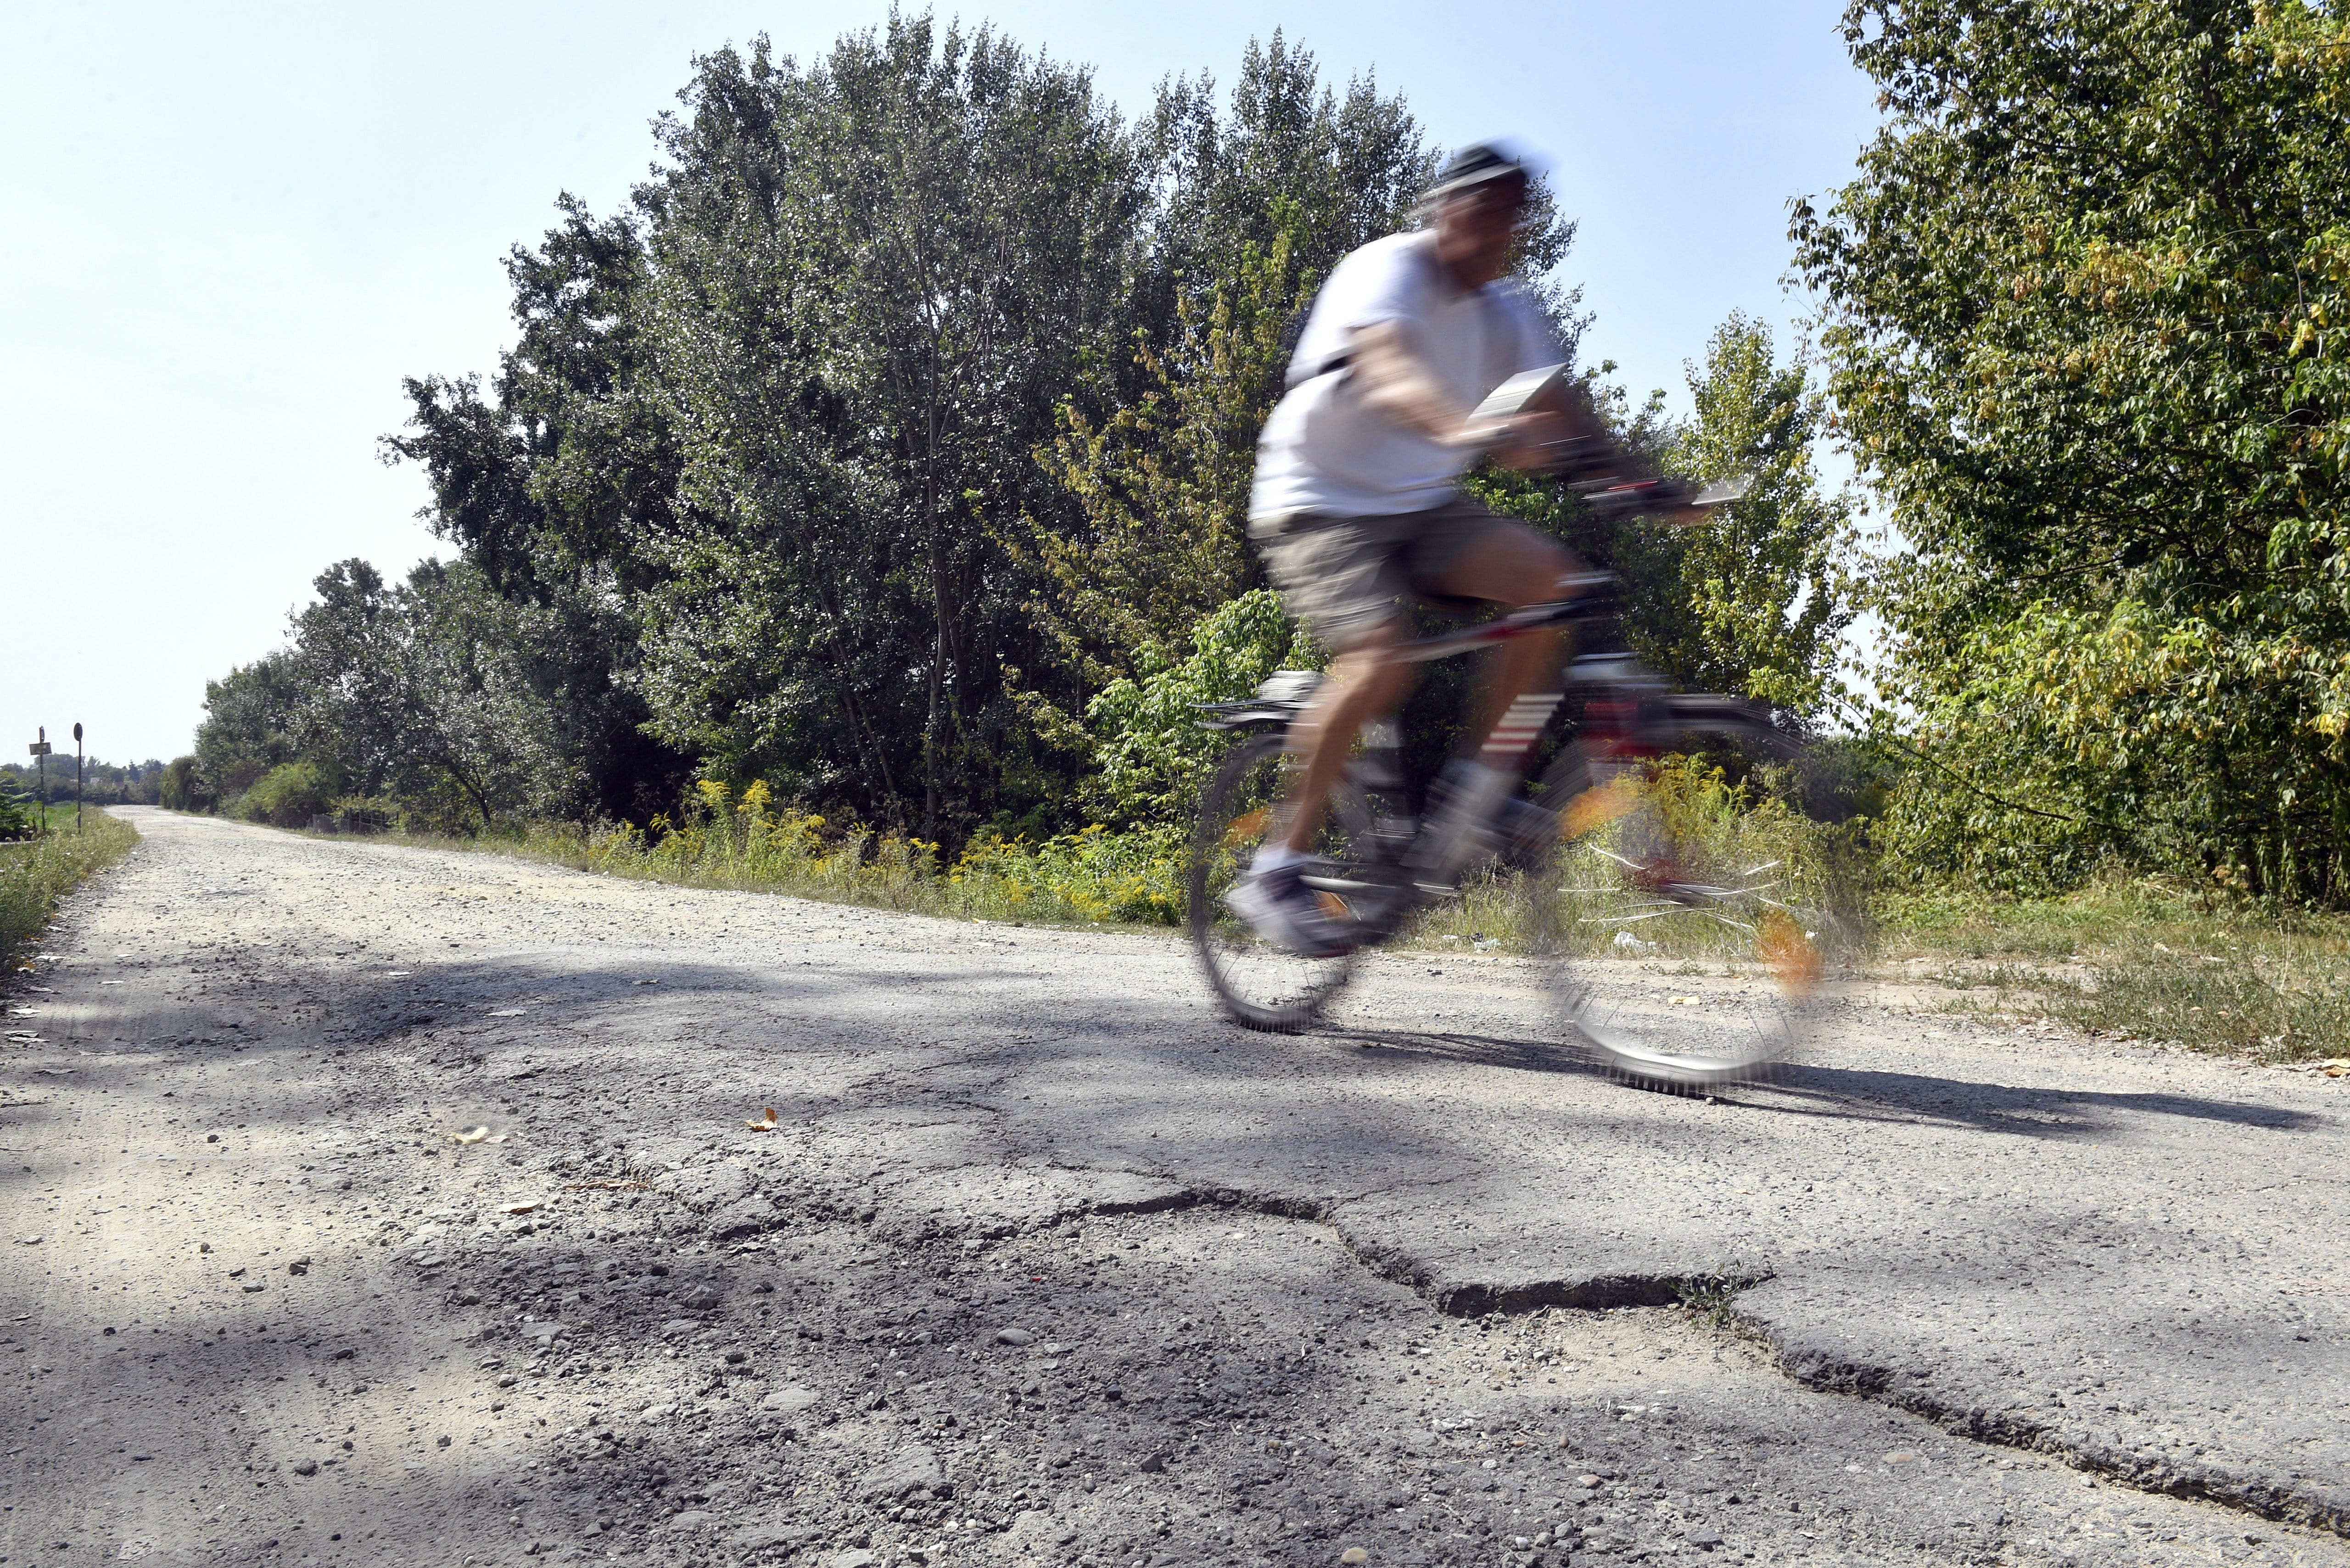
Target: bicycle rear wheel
[
  {"x": 1692, "y": 937},
  {"x": 1260, "y": 985}
]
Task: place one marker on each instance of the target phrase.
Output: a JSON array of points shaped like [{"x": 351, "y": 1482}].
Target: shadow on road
[
  {"x": 1459, "y": 1049},
  {"x": 1861, "y": 1094},
  {"x": 2029, "y": 1111}
]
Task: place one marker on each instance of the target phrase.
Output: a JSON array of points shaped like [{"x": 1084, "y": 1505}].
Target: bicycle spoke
[
  {"x": 1261, "y": 985},
  {"x": 1735, "y": 921}
]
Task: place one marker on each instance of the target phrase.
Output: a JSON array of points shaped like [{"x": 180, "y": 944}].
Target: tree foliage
[
  {"x": 1753, "y": 600},
  {"x": 248, "y": 727},
  {"x": 2084, "y": 308},
  {"x": 1760, "y": 604},
  {"x": 874, "y": 275},
  {"x": 890, "y": 452},
  {"x": 896, "y": 353},
  {"x": 16, "y": 812},
  {"x": 463, "y": 704},
  {"x": 1162, "y": 486}
]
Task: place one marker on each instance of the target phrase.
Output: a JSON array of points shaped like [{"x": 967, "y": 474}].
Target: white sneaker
[{"x": 1279, "y": 907}]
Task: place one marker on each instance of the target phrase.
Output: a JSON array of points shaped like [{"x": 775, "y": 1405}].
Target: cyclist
[{"x": 1357, "y": 508}]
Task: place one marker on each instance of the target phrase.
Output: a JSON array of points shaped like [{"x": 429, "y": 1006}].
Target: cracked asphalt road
[{"x": 1042, "y": 1264}]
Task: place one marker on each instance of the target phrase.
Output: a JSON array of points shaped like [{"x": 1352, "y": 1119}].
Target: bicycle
[{"x": 1618, "y": 876}]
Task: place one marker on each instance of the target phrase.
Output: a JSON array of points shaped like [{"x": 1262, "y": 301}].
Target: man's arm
[
  {"x": 1569, "y": 406},
  {"x": 1397, "y": 382}
]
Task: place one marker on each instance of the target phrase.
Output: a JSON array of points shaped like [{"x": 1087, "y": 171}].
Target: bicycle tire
[
  {"x": 1258, "y": 985},
  {"x": 1616, "y": 915}
]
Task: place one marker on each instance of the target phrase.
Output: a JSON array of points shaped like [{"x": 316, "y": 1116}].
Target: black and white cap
[{"x": 1478, "y": 164}]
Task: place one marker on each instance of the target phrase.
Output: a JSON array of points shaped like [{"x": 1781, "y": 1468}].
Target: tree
[
  {"x": 776, "y": 407},
  {"x": 1255, "y": 205},
  {"x": 1762, "y": 579},
  {"x": 16, "y": 812},
  {"x": 904, "y": 252},
  {"x": 2082, "y": 313},
  {"x": 184, "y": 788},
  {"x": 1285, "y": 160},
  {"x": 551, "y": 485},
  {"x": 1162, "y": 484},
  {"x": 466, "y": 705},
  {"x": 1755, "y": 600},
  {"x": 442, "y": 693},
  {"x": 248, "y": 727},
  {"x": 786, "y": 414}
]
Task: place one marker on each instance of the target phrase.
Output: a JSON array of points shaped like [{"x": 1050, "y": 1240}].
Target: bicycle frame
[
  {"x": 1596, "y": 604},
  {"x": 1377, "y": 867},
  {"x": 1623, "y": 702},
  {"x": 1287, "y": 692}
]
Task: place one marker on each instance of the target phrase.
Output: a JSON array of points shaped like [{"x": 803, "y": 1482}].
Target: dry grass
[{"x": 2143, "y": 958}]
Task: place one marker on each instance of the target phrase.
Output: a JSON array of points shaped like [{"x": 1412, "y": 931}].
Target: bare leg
[
  {"x": 1364, "y": 685},
  {"x": 1513, "y": 568}
]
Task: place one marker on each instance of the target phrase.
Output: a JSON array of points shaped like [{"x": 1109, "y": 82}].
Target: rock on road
[{"x": 370, "y": 1204}]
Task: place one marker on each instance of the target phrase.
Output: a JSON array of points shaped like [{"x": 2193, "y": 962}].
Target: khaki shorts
[{"x": 1347, "y": 576}]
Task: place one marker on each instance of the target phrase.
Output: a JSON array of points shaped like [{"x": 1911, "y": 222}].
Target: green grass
[
  {"x": 2139, "y": 957},
  {"x": 1088, "y": 878},
  {"x": 1712, "y": 1298},
  {"x": 35, "y": 872}
]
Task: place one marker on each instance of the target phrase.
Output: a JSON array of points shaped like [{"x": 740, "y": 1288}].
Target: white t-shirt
[{"x": 1322, "y": 451}]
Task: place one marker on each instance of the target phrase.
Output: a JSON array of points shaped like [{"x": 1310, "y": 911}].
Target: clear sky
[{"x": 231, "y": 229}]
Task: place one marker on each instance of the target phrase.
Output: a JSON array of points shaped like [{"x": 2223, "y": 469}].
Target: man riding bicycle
[{"x": 1357, "y": 509}]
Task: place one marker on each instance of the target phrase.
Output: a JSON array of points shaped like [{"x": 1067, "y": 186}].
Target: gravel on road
[{"x": 371, "y": 1204}]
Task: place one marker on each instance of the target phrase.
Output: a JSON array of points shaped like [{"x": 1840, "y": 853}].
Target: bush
[
  {"x": 288, "y": 795},
  {"x": 1152, "y": 754},
  {"x": 186, "y": 789},
  {"x": 16, "y": 814}
]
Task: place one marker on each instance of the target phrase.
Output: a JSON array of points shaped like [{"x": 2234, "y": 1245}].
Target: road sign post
[
  {"x": 76, "y": 777},
  {"x": 40, "y": 750}
]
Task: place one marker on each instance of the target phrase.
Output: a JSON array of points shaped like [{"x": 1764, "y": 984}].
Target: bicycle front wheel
[
  {"x": 1260, "y": 985},
  {"x": 1693, "y": 924}
]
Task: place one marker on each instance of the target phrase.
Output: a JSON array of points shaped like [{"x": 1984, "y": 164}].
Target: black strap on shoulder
[{"x": 1291, "y": 332}]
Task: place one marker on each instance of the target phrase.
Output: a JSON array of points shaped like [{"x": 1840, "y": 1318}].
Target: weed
[
  {"x": 1711, "y": 1297},
  {"x": 2270, "y": 1008},
  {"x": 745, "y": 841},
  {"x": 34, "y": 873},
  {"x": 2139, "y": 957}
]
